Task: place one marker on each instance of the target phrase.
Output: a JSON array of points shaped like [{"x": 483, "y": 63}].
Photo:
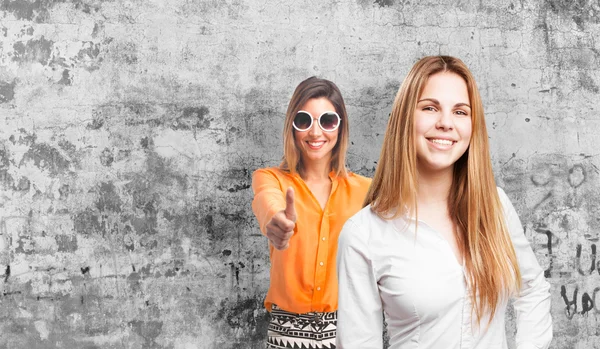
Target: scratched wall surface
[{"x": 129, "y": 131}]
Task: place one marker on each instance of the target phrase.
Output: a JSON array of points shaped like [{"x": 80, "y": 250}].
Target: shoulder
[
  {"x": 502, "y": 194},
  {"x": 504, "y": 200},
  {"x": 362, "y": 222},
  {"x": 363, "y": 231},
  {"x": 270, "y": 177},
  {"x": 271, "y": 173},
  {"x": 511, "y": 215},
  {"x": 356, "y": 180},
  {"x": 364, "y": 217},
  {"x": 268, "y": 171},
  {"x": 356, "y": 229}
]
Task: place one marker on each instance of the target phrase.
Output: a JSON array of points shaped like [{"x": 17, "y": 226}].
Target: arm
[
  {"x": 532, "y": 304},
  {"x": 360, "y": 319},
  {"x": 268, "y": 197},
  {"x": 275, "y": 214}
]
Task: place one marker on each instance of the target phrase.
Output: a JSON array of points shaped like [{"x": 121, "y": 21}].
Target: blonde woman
[
  {"x": 301, "y": 207},
  {"x": 438, "y": 247}
]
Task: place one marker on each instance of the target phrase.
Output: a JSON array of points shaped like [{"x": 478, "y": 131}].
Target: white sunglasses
[{"x": 329, "y": 121}]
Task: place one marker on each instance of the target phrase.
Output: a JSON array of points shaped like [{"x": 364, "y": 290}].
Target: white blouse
[{"x": 418, "y": 283}]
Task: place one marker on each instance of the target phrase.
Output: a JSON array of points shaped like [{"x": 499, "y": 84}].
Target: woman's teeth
[{"x": 442, "y": 141}]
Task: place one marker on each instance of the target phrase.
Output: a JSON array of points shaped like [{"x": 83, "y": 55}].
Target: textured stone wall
[{"x": 129, "y": 131}]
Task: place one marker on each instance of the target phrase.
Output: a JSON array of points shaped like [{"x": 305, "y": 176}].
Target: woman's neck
[
  {"x": 434, "y": 188},
  {"x": 315, "y": 171}
]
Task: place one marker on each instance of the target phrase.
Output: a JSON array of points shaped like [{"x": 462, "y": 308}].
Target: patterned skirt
[{"x": 309, "y": 330}]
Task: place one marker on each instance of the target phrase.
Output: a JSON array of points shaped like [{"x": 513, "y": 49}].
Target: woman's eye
[
  {"x": 429, "y": 108},
  {"x": 461, "y": 112}
]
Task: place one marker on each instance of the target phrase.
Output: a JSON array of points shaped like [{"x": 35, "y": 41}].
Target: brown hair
[
  {"x": 473, "y": 202},
  {"x": 310, "y": 88}
]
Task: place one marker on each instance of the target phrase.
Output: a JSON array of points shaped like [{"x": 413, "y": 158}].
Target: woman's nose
[
  {"x": 446, "y": 121},
  {"x": 315, "y": 128}
]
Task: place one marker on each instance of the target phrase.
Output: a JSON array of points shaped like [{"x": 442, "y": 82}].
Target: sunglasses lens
[
  {"x": 329, "y": 121},
  {"x": 302, "y": 121}
]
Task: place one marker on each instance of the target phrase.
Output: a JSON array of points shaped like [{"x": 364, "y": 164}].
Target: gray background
[{"x": 129, "y": 131}]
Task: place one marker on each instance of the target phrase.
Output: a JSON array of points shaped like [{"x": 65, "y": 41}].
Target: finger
[
  {"x": 274, "y": 229},
  {"x": 276, "y": 232},
  {"x": 290, "y": 210},
  {"x": 281, "y": 247},
  {"x": 275, "y": 241},
  {"x": 279, "y": 224},
  {"x": 280, "y": 244},
  {"x": 286, "y": 225},
  {"x": 282, "y": 222}
]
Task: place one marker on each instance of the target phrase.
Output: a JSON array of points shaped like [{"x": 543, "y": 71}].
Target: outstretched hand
[{"x": 281, "y": 227}]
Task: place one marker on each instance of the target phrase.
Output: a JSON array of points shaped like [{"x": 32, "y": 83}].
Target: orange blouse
[{"x": 303, "y": 277}]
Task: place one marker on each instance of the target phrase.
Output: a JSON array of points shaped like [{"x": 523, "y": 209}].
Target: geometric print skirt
[{"x": 307, "y": 331}]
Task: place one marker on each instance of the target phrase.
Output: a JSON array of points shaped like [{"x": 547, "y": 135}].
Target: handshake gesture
[{"x": 281, "y": 227}]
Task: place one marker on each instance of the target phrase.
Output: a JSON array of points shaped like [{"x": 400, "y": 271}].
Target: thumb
[{"x": 290, "y": 211}]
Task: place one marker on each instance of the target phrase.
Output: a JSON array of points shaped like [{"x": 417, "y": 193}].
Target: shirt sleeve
[
  {"x": 268, "y": 197},
  {"x": 532, "y": 304},
  {"x": 360, "y": 316}
]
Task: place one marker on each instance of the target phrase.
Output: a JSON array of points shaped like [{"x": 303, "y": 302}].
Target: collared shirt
[
  {"x": 419, "y": 284},
  {"x": 303, "y": 277}
]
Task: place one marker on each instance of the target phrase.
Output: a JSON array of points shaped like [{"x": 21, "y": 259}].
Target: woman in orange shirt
[{"x": 301, "y": 206}]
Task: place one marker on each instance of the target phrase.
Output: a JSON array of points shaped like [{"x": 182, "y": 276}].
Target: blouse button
[
  {"x": 321, "y": 263},
  {"x": 319, "y": 288}
]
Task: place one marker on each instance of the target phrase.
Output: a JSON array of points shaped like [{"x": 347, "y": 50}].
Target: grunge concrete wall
[{"x": 129, "y": 131}]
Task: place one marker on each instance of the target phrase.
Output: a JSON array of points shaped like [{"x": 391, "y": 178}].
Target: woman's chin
[{"x": 316, "y": 157}]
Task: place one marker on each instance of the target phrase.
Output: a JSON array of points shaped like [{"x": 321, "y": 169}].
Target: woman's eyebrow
[
  {"x": 432, "y": 100},
  {"x": 436, "y": 102}
]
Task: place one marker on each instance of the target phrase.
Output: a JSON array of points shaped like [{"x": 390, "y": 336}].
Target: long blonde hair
[
  {"x": 310, "y": 88},
  {"x": 474, "y": 205}
]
